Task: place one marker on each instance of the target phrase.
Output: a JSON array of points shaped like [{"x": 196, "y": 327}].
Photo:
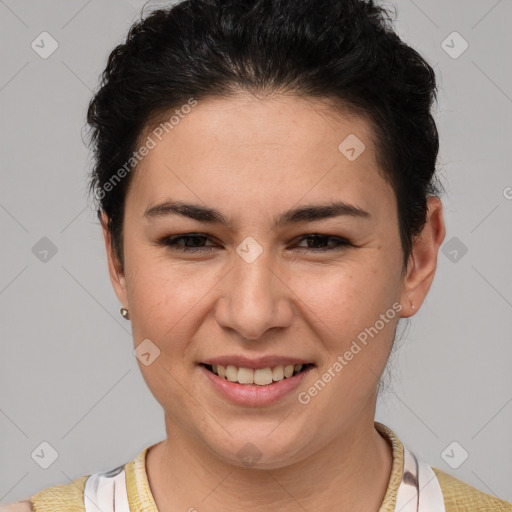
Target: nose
[{"x": 254, "y": 298}]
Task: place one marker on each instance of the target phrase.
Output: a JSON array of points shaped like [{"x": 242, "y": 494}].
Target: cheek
[
  {"x": 355, "y": 321},
  {"x": 345, "y": 299},
  {"x": 163, "y": 300},
  {"x": 159, "y": 288}
]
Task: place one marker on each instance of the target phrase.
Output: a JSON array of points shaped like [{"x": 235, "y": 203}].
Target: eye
[
  {"x": 195, "y": 239},
  {"x": 318, "y": 239},
  {"x": 194, "y": 243}
]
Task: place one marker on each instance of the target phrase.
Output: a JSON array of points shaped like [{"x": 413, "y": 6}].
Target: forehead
[
  {"x": 260, "y": 152},
  {"x": 277, "y": 123}
]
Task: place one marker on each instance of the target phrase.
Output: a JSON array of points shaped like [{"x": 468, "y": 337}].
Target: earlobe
[
  {"x": 115, "y": 269},
  {"x": 423, "y": 260}
]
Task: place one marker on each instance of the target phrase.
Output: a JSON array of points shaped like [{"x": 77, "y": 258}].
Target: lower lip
[{"x": 253, "y": 395}]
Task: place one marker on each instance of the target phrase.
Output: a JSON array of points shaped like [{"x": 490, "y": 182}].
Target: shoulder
[
  {"x": 19, "y": 506},
  {"x": 462, "y": 497},
  {"x": 86, "y": 491},
  {"x": 59, "y": 498}
]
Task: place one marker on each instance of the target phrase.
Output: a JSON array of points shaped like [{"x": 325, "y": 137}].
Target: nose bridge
[
  {"x": 253, "y": 299},
  {"x": 253, "y": 277}
]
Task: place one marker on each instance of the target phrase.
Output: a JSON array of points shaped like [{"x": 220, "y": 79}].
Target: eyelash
[{"x": 171, "y": 242}]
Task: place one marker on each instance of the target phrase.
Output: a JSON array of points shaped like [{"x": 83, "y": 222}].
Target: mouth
[{"x": 257, "y": 376}]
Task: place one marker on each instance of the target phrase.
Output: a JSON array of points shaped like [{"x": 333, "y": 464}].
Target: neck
[{"x": 184, "y": 475}]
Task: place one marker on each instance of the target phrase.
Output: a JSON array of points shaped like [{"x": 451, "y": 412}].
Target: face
[{"x": 238, "y": 288}]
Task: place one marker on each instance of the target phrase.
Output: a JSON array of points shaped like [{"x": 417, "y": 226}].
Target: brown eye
[
  {"x": 320, "y": 240},
  {"x": 190, "y": 242}
]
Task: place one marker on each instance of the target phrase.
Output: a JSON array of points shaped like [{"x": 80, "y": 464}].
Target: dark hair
[{"x": 344, "y": 51}]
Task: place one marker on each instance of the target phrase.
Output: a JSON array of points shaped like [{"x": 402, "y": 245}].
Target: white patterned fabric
[
  {"x": 106, "y": 492},
  {"x": 419, "y": 490}
]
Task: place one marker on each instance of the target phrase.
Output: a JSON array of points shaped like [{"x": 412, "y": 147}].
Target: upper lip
[{"x": 255, "y": 363}]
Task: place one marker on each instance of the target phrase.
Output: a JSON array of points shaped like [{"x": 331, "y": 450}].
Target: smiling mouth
[{"x": 257, "y": 377}]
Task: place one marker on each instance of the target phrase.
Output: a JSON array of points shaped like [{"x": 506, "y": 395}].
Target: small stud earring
[
  {"x": 412, "y": 305},
  {"x": 125, "y": 313}
]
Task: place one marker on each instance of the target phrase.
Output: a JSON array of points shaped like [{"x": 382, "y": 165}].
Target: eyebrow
[{"x": 308, "y": 213}]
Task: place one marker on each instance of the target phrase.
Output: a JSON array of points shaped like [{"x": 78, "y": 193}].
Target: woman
[{"x": 265, "y": 173}]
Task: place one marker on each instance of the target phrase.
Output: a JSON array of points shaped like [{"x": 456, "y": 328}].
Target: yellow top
[{"x": 457, "y": 495}]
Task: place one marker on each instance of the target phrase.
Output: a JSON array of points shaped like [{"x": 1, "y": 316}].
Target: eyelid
[
  {"x": 170, "y": 242},
  {"x": 166, "y": 241},
  {"x": 341, "y": 242}
]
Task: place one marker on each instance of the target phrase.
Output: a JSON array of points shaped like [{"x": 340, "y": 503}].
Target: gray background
[{"x": 67, "y": 371}]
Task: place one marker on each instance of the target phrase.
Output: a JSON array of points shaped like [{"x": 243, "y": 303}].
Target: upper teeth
[{"x": 260, "y": 377}]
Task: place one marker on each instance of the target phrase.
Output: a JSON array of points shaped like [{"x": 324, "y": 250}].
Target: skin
[{"x": 252, "y": 159}]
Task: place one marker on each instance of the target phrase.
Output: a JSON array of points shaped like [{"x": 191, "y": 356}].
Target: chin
[{"x": 258, "y": 449}]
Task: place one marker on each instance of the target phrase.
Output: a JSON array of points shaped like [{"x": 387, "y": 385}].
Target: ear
[
  {"x": 115, "y": 269},
  {"x": 422, "y": 263}
]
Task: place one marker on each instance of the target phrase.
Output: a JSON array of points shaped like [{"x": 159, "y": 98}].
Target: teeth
[
  {"x": 231, "y": 373},
  {"x": 260, "y": 377},
  {"x": 245, "y": 375},
  {"x": 278, "y": 373}
]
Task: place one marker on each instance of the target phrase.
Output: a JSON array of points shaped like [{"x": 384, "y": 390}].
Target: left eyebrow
[{"x": 308, "y": 213}]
